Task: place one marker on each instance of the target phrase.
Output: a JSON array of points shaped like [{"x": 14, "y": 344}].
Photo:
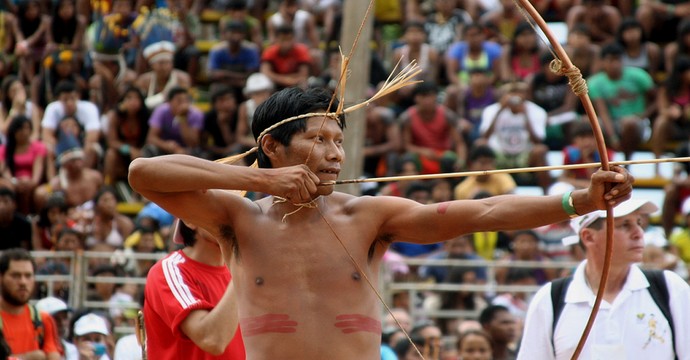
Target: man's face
[
  {"x": 68, "y": 242},
  {"x": 323, "y": 145},
  {"x": 162, "y": 67},
  {"x": 225, "y": 103},
  {"x": 179, "y": 104},
  {"x": 613, "y": 66},
  {"x": 69, "y": 102},
  {"x": 62, "y": 323},
  {"x": 586, "y": 143},
  {"x": 18, "y": 282},
  {"x": 285, "y": 42},
  {"x": 628, "y": 240},
  {"x": 503, "y": 327},
  {"x": 234, "y": 37}
]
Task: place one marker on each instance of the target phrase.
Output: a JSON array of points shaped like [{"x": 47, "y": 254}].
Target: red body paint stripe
[
  {"x": 351, "y": 323},
  {"x": 269, "y": 323},
  {"x": 443, "y": 207}
]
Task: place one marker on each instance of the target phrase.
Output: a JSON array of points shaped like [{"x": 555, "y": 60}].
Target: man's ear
[
  {"x": 587, "y": 237},
  {"x": 269, "y": 145}
]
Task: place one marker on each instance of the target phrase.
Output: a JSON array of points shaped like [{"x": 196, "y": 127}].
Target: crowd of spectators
[{"x": 88, "y": 86}]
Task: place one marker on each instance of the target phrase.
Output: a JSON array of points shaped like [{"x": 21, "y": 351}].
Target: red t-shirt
[
  {"x": 175, "y": 286},
  {"x": 21, "y": 334},
  {"x": 289, "y": 62}
]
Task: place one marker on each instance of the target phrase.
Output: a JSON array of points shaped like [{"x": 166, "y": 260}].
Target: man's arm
[
  {"x": 177, "y": 181},
  {"x": 408, "y": 221}
]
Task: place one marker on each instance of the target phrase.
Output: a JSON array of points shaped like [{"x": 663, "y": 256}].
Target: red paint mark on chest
[
  {"x": 269, "y": 323},
  {"x": 443, "y": 207},
  {"x": 351, "y": 323}
]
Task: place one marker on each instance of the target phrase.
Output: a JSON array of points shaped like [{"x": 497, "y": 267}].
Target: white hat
[
  {"x": 257, "y": 82},
  {"x": 162, "y": 50},
  {"x": 625, "y": 208},
  {"x": 685, "y": 209},
  {"x": 51, "y": 305},
  {"x": 90, "y": 323}
]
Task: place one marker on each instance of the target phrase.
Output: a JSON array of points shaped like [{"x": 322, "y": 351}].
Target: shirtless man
[
  {"x": 78, "y": 182},
  {"x": 300, "y": 295},
  {"x": 163, "y": 76}
]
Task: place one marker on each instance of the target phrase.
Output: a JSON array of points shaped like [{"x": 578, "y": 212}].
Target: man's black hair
[
  {"x": 417, "y": 186},
  {"x": 424, "y": 88},
  {"x": 104, "y": 190},
  {"x": 187, "y": 233},
  {"x": 15, "y": 254},
  {"x": 220, "y": 92},
  {"x": 516, "y": 274},
  {"x": 236, "y": 5},
  {"x": 64, "y": 86},
  {"x": 414, "y": 25},
  {"x": 581, "y": 29},
  {"x": 481, "y": 151},
  {"x": 489, "y": 313},
  {"x": 612, "y": 49},
  {"x": 286, "y": 104},
  {"x": 630, "y": 23},
  {"x": 177, "y": 90},
  {"x": 285, "y": 30}
]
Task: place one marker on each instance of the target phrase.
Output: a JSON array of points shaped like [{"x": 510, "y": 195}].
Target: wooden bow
[{"x": 563, "y": 66}]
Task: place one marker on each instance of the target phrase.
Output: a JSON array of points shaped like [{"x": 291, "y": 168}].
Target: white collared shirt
[{"x": 632, "y": 327}]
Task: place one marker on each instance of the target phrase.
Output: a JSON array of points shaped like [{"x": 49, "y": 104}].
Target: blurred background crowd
[{"x": 86, "y": 86}]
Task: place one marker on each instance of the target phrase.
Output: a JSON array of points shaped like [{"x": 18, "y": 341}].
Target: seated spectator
[
  {"x": 60, "y": 312},
  {"x": 475, "y": 345},
  {"x": 445, "y": 23},
  {"x": 29, "y": 33},
  {"x": 430, "y": 132},
  {"x": 15, "y": 227},
  {"x": 623, "y": 98},
  {"x": 441, "y": 190},
  {"x": 483, "y": 158},
  {"x": 259, "y": 87},
  {"x": 639, "y": 51},
  {"x": 417, "y": 48},
  {"x": 285, "y": 62},
  {"x": 516, "y": 302},
  {"x": 23, "y": 162},
  {"x": 78, "y": 183},
  {"x": 503, "y": 19},
  {"x": 478, "y": 96},
  {"x": 158, "y": 83},
  {"x": 219, "y": 138},
  {"x": 92, "y": 337},
  {"x": 231, "y": 61},
  {"x": 583, "y": 149},
  {"x": 406, "y": 165},
  {"x": 174, "y": 127},
  {"x": 236, "y": 10},
  {"x": 601, "y": 19},
  {"x": 50, "y": 220},
  {"x": 382, "y": 141},
  {"x": 60, "y": 289},
  {"x": 520, "y": 58},
  {"x": 128, "y": 127},
  {"x": 525, "y": 246},
  {"x": 475, "y": 52},
  {"x": 66, "y": 28},
  {"x": 14, "y": 101},
  {"x": 501, "y": 326},
  {"x": 552, "y": 92},
  {"x": 86, "y": 113},
  {"x": 680, "y": 46},
  {"x": 673, "y": 105},
  {"x": 109, "y": 226},
  {"x": 144, "y": 240},
  {"x": 304, "y": 28},
  {"x": 58, "y": 66},
  {"x": 515, "y": 129},
  {"x": 459, "y": 248}
]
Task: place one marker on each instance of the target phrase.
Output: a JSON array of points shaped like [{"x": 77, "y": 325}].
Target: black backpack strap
[
  {"x": 38, "y": 325},
  {"x": 658, "y": 289},
  {"x": 559, "y": 288}
]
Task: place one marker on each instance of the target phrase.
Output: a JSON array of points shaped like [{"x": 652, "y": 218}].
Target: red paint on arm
[
  {"x": 351, "y": 323},
  {"x": 269, "y": 323},
  {"x": 443, "y": 207}
]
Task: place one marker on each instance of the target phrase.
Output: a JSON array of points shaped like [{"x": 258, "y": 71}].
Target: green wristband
[{"x": 567, "y": 204}]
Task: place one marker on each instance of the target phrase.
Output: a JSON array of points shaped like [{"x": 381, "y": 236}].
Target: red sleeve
[
  {"x": 269, "y": 54},
  {"x": 51, "y": 343},
  {"x": 174, "y": 294},
  {"x": 39, "y": 148}
]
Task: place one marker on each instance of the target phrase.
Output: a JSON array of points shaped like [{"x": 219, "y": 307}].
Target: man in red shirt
[
  {"x": 286, "y": 62},
  {"x": 29, "y": 333},
  {"x": 190, "y": 307}
]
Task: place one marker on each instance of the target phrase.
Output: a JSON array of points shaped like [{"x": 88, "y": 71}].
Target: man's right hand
[{"x": 297, "y": 183}]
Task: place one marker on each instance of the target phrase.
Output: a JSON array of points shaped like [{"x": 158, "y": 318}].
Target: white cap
[
  {"x": 257, "y": 82},
  {"x": 51, "y": 305},
  {"x": 625, "y": 208},
  {"x": 685, "y": 209},
  {"x": 90, "y": 323},
  {"x": 162, "y": 50}
]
